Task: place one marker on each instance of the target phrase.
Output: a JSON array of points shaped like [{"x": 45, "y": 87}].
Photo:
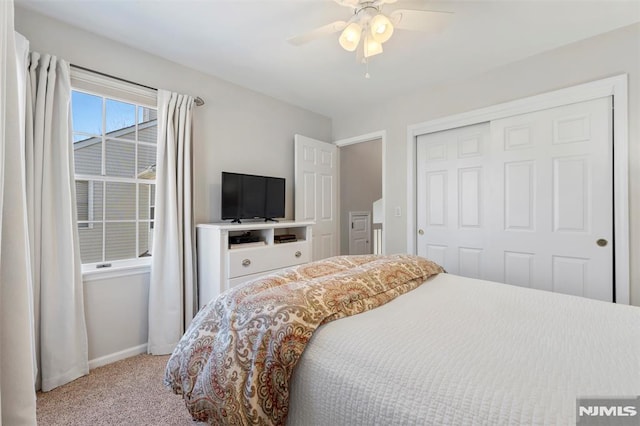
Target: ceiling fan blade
[
  {"x": 348, "y": 3},
  {"x": 420, "y": 20},
  {"x": 331, "y": 28}
]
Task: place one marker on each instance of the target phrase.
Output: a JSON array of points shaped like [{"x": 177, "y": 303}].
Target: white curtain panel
[
  {"x": 61, "y": 334},
  {"x": 22, "y": 56},
  {"x": 172, "y": 292},
  {"x": 17, "y": 393}
]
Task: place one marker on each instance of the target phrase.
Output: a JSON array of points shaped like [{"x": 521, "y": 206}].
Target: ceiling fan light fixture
[
  {"x": 350, "y": 37},
  {"x": 371, "y": 46},
  {"x": 381, "y": 28},
  {"x": 369, "y": 27}
]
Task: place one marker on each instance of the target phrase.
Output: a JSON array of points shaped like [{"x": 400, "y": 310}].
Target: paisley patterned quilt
[{"x": 234, "y": 363}]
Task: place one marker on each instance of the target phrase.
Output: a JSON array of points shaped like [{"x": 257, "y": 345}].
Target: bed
[{"x": 455, "y": 350}]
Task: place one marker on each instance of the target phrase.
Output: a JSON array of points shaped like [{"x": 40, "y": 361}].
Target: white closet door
[
  {"x": 451, "y": 196},
  {"x": 553, "y": 171},
  {"x": 541, "y": 193}
]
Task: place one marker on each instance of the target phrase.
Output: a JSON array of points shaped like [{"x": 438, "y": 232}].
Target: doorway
[{"x": 361, "y": 185}]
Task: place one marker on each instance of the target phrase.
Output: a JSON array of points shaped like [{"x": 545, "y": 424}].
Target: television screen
[
  {"x": 274, "y": 203},
  {"x": 250, "y": 197}
]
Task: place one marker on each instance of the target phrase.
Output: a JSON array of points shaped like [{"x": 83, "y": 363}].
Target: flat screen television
[{"x": 252, "y": 197}]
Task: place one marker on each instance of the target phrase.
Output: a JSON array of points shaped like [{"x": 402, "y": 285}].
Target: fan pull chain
[{"x": 366, "y": 74}]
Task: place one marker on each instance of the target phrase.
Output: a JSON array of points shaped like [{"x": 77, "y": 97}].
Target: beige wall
[
  {"x": 360, "y": 183},
  {"x": 603, "y": 56}
]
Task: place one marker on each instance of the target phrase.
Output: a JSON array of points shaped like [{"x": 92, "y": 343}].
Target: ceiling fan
[{"x": 370, "y": 27}]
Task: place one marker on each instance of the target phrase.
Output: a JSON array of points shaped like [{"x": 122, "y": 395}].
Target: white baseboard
[{"x": 117, "y": 356}]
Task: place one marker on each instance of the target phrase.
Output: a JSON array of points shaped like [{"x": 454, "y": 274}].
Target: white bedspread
[{"x": 460, "y": 351}]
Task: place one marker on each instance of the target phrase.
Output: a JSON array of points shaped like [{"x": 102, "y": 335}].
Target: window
[{"x": 114, "y": 145}]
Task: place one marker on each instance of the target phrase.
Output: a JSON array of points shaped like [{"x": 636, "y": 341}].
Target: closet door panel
[{"x": 526, "y": 200}]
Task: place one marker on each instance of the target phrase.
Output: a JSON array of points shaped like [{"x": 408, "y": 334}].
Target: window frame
[{"x": 107, "y": 88}]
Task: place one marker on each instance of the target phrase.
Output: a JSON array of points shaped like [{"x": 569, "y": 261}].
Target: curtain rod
[{"x": 198, "y": 100}]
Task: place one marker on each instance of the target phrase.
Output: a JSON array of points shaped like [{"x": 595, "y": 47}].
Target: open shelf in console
[
  {"x": 284, "y": 235},
  {"x": 249, "y": 238}
]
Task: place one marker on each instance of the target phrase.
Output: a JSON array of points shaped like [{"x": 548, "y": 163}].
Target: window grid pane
[
  {"x": 120, "y": 240},
  {"x": 145, "y": 239},
  {"x": 143, "y": 201},
  {"x": 91, "y": 243},
  {"x": 121, "y": 119},
  {"x": 82, "y": 200},
  {"x": 147, "y": 125},
  {"x": 86, "y": 113},
  {"x": 87, "y": 155},
  {"x": 120, "y": 159},
  {"x": 98, "y": 199},
  {"x": 120, "y": 201},
  {"x": 146, "y": 161},
  {"x": 115, "y": 211}
]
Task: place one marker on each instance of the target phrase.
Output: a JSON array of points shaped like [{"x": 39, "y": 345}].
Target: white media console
[{"x": 222, "y": 265}]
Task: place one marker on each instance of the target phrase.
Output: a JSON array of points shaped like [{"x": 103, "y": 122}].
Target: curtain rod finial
[{"x": 199, "y": 101}]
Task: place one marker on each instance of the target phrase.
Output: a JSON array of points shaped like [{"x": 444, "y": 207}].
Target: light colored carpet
[{"x": 127, "y": 392}]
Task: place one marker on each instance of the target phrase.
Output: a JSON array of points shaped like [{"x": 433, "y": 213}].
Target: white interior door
[
  {"x": 359, "y": 233},
  {"x": 530, "y": 206},
  {"x": 316, "y": 192}
]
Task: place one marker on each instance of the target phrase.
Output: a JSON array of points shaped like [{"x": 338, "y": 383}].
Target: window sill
[{"x": 118, "y": 268}]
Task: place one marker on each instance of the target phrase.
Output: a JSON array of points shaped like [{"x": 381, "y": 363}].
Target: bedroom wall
[
  {"x": 360, "y": 183},
  {"x": 236, "y": 130},
  {"x": 606, "y": 55},
  {"x": 116, "y": 312}
]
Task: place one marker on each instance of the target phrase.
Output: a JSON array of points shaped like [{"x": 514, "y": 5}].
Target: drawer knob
[
  {"x": 298, "y": 254},
  {"x": 246, "y": 262}
]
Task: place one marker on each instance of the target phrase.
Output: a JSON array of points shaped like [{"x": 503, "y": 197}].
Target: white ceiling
[{"x": 244, "y": 41}]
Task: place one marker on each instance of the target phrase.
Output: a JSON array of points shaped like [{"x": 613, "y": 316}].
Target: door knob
[
  {"x": 602, "y": 242},
  {"x": 420, "y": 231}
]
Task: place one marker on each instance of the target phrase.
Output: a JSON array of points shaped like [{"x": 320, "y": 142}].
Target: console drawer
[
  {"x": 261, "y": 259},
  {"x": 243, "y": 279}
]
